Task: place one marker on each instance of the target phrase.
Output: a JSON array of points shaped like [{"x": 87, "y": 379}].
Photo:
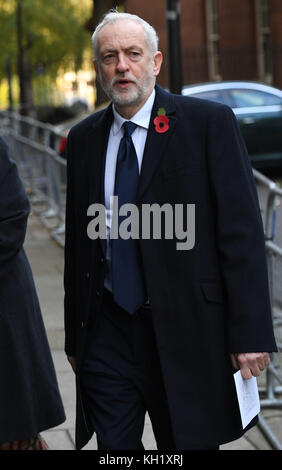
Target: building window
[
  {"x": 264, "y": 41},
  {"x": 213, "y": 39}
]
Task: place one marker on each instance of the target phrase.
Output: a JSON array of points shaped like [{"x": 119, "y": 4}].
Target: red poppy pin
[{"x": 161, "y": 122}]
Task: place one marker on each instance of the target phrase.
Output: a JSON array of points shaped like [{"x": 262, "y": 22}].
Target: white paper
[{"x": 248, "y": 397}]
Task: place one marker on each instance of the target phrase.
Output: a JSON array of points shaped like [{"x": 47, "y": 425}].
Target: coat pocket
[{"x": 212, "y": 292}]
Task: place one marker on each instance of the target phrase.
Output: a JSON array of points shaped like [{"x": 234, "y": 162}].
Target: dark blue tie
[{"x": 127, "y": 274}]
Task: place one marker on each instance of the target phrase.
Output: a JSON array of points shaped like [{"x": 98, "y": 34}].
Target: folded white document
[{"x": 248, "y": 397}]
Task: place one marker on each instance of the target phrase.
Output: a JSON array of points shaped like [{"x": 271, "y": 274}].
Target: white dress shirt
[{"x": 142, "y": 119}]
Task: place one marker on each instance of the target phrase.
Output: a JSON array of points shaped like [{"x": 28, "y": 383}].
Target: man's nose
[{"x": 122, "y": 64}]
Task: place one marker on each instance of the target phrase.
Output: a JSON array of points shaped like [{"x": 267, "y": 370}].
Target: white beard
[{"x": 127, "y": 97}]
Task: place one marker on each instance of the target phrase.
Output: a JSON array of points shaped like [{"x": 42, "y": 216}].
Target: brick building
[{"x": 222, "y": 39}]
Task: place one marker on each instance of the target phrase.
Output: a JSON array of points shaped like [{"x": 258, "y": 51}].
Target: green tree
[
  {"x": 41, "y": 36},
  {"x": 7, "y": 40}
]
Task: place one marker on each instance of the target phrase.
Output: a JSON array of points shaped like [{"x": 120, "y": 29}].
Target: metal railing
[
  {"x": 34, "y": 146},
  {"x": 270, "y": 394}
]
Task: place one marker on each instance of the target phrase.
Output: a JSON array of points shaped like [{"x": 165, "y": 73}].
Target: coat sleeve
[
  {"x": 14, "y": 210},
  {"x": 240, "y": 237},
  {"x": 70, "y": 255}
]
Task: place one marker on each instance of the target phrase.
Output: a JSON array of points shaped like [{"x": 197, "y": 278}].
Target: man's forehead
[{"x": 122, "y": 31}]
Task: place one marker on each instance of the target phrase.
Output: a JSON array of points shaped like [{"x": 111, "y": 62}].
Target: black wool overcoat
[
  {"x": 208, "y": 301},
  {"x": 30, "y": 401}
]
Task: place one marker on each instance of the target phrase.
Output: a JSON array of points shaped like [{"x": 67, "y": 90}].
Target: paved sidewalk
[{"x": 46, "y": 259}]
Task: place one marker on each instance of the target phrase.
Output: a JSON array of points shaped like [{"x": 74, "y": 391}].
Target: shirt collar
[{"x": 141, "y": 118}]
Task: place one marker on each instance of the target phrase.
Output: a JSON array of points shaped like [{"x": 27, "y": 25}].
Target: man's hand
[
  {"x": 250, "y": 363},
  {"x": 72, "y": 361}
]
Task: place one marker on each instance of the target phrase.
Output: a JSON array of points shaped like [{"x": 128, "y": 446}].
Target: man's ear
[
  {"x": 97, "y": 71},
  {"x": 158, "y": 60},
  {"x": 95, "y": 66}
]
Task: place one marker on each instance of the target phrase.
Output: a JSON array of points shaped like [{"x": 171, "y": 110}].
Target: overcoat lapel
[
  {"x": 156, "y": 143},
  {"x": 97, "y": 149},
  {"x": 98, "y": 141}
]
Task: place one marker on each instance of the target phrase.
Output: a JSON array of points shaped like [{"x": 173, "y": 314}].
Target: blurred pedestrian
[{"x": 30, "y": 401}]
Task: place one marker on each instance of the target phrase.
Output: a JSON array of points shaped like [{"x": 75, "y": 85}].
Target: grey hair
[{"x": 112, "y": 16}]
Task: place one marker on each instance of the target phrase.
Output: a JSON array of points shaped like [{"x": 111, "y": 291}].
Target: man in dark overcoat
[
  {"x": 30, "y": 400},
  {"x": 160, "y": 322}
]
